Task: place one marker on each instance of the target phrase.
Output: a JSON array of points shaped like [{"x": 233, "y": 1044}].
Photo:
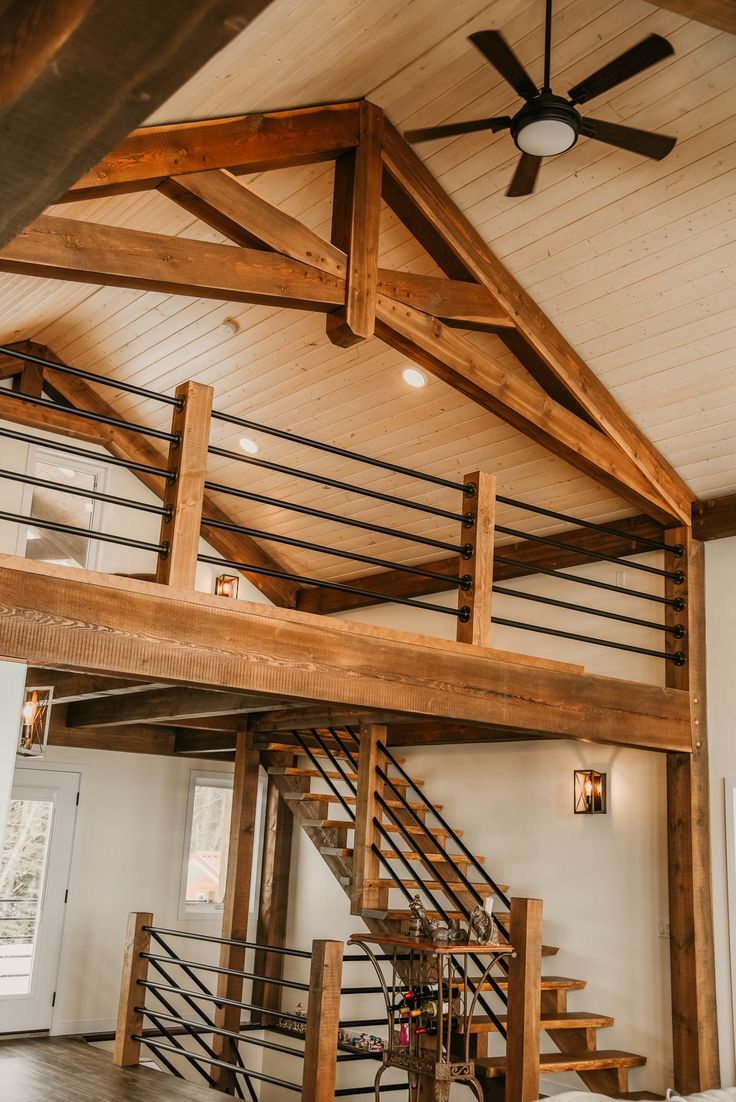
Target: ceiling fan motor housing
[{"x": 546, "y": 125}]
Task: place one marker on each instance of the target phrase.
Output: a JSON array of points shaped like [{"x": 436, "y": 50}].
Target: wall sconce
[
  {"x": 226, "y": 585},
  {"x": 590, "y": 792},
  {"x": 34, "y": 722}
]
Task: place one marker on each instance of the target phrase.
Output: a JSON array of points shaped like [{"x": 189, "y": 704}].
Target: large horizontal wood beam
[
  {"x": 141, "y": 739},
  {"x": 517, "y": 400},
  {"x": 720, "y": 14},
  {"x": 169, "y": 705},
  {"x": 248, "y": 143},
  {"x": 69, "y": 687},
  {"x": 51, "y": 616},
  {"x": 428, "y": 205},
  {"x": 76, "y": 77},
  {"x": 528, "y": 558},
  {"x": 714, "y": 518}
]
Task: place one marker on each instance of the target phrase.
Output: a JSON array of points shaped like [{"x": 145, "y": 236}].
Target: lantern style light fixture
[
  {"x": 590, "y": 792},
  {"x": 34, "y": 722},
  {"x": 226, "y": 585}
]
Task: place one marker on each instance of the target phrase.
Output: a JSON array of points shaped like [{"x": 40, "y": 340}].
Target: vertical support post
[
  {"x": 356, "y": 213},
  {"x": 692, "y": 959},
  {"x": 273, "y": 906},
  {"x": 323, "y": 1022},
  {"x": 524, "y": 1006},
  {"x": 30, "y": 380},
  {"x": 127, "y": 1052},
  {"x": 365, "y": 893},
  {"x": 237, "y": 898},
  {"x": 184, "y": 496},
  {"x": 479, "y": 567}
]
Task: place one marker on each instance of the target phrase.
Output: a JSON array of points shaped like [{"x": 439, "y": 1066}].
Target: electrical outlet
[{"x": 663, "y": 929}]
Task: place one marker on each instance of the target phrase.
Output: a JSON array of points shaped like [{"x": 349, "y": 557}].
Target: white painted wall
[{"x": 12, "y": 686}]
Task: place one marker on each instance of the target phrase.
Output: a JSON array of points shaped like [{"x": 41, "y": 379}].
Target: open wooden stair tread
[
  {"x": 433, "y": 858},
  {"x": 336, "y": 824},
  {"x": 551, "y": 1062},
  {"x": 437, "y": 886},
  {"x": 570, "y": 1019},
  {"x": 330, "y": 798},
  {"x": 315, "y": 749}
]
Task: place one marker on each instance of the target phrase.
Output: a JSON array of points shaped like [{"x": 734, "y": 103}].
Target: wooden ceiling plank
[
  {"x": 85, "y": 252},
  {"x": 53, "y": 616},
  {"x": 720, "y": 14},
  {"x": 516, "y": 400},
  {"x": 249, "y": 143},
  {"x": 127, "y": 58},
  {"x": 432, "y": 203}
]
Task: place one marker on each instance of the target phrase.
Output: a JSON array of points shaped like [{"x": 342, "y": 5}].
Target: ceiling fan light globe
[{"x": 546, "y": 137}]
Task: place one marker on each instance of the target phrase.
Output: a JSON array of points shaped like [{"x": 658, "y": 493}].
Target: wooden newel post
[
  {"x": 365, "y": 893},
  {"x": 481, "y": 506},
  {"x": 130, "y": 1021},
  {"x": 184, "y": 496},
  {"x": 323, "y": 1022},
  {"x": 524, "y": 1007}
]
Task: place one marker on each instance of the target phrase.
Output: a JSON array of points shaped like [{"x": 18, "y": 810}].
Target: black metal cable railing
[
  {"x": 160, "y": 549},
  {"x": 84, "y": 453},
  {"x": 677, "y": 576},
  {"x": 91, "y": 415}
]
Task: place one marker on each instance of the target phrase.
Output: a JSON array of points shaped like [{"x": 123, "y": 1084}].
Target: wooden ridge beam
[
  {"x": 528, "y": 558},
  {"x": 249, "y": 143},
  {"x": 517, "y": 400},
  {"x": 112, "y": 256},
  {"x": 50, "y": 616},
  {"x": 78, "y": 76},
  {"x": 428, "y": 204}
]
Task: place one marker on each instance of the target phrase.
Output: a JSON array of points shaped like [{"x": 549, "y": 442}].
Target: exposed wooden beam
[
  {"x": 167, "y": 705},
  {"x": 143, "y": 739},
  {"x": 515, "y": 399},
  {"x": 133, "y": 447},
  {"x": 112, "y": 256},
  {"x": 81, "y": 686},
  {"x": 51, "y": 616},
  {"x": 273, "y": 902},
  {"x": 206, "y": 744},
  {"x": 528, "y": 558},
  {"x": 715, "y": 518},
  {"x": 720, "y": 14},
  {"x": 431, "y": 205},
  {"x": 250, "y": 143},
  {"x": 76, "y": 77}
]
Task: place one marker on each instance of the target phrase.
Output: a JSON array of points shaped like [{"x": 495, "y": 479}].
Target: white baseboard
[{"x": 88, "y": 1025}]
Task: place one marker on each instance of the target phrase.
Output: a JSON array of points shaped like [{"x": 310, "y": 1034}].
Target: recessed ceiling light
[
  {"x": 249, "y": 445},
  {"x": 414, "y": 377}
]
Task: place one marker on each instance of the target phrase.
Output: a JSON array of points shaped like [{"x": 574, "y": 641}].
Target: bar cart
[{"x": 430, "y": 1002}]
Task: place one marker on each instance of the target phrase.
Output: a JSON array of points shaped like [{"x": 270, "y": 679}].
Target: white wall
[{"x": 12, "y": 686}]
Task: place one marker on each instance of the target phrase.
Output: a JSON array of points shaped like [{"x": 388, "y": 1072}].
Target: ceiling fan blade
[
  {"x": 525, "y": 176},
  {"x": 648, "y": 52},
  {"x": 496, "y": 49},
  {"x": 452, "y": 128},
  {"x": 644, "y": 142}
]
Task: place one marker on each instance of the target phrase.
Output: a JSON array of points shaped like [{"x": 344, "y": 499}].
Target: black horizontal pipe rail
[
  {"x": 91, "y": 495},
  {"x": 192, "y": 936},
  {"x": 89, "y": 415},
  {"x": 325, "y": 776},
  {"x": 678, "y": 657},
  {"x": 336, "y": 484},
  {"x": 464, "y": 582},
  {"x": 192, "y": 1026},
  {"x": 220, "y": 970},
  {"x": 462, "y": 614},
  {"x": 192, "y": 1058},
  {"x": 349, "y": 757},
  {"x": 678, "y": 603},
  {"x": 465, "y": 551},
  {"x": 165, "y": 1032},
  {"x": 84, "y": 453},
  {"x": 331, "y": 449},
  {"x": 219, "y": 1000},
  {"x": 161, "y": 549},
  {"x": 335, "y": 761},
  {"x": 677, "y": 576},
  {"x": 185, "y": 995},
  {"x": 78, "y": 373},
  {"x": 677, "y": 629},
  {"x": 655, "y": 545}
]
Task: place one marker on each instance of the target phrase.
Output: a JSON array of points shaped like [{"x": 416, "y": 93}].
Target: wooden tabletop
[{"x": 403, "y": 941}]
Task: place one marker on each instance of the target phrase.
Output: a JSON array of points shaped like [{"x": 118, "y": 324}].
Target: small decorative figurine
[
  {"x": 482, "y": 925},
  {"x": 457, "y": 933},
  {"x": 418, "y": 917}
]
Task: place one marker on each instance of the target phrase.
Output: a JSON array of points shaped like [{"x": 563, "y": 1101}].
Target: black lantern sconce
[
  {"x": 34, "y": 722},
  {"x": 590, "y": 792},
  {"x": 226, "y": 585}
]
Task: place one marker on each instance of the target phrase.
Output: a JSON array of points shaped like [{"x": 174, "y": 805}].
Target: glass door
[{"x": 34, "y": 876}]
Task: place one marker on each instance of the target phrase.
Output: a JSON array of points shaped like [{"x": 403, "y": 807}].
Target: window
[
  {"x": 206, "y": 844},
  {"x": 45, "y": 503}
]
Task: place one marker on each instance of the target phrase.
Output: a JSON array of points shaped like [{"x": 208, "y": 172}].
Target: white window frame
[
  {"x": 729, "y": 785},
  {"x": 189, "y": 910},
  {"x": 47, "y": 453}
]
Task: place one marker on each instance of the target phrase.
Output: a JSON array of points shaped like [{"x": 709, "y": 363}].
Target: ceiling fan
[{"x": 546, "y": 124}]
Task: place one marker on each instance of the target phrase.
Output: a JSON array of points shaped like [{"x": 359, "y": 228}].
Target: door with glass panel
[{"x": 34, "y": 876}]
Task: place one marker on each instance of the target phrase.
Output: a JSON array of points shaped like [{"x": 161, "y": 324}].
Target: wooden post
[
  {"x": 323, "y": 1022},
  {"x": 273, "y": 906},
  {"x": 137, "y": 940},
  {"x": 184, "y": 496},
  {"x": 692, "y": 959},
  {"x": 482, "y": 507},
  {"x": 237, "y": 897},
  {"x": 365, "y": 893},
  {"x": 356, "y": 213},
  {"x": 524, "y": 1006}
]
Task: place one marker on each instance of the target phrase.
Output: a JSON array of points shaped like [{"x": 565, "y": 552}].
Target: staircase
[{"x": 384, "y": 842}]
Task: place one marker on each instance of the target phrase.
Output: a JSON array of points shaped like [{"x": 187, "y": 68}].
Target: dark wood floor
[{"x": 65, "y": 1069}]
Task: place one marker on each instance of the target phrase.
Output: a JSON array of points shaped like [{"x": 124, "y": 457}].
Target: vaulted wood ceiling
[{"x": 633, "y": 260}]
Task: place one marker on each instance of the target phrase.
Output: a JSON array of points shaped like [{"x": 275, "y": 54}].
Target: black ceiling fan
[{"x": 548, "y": 124}]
